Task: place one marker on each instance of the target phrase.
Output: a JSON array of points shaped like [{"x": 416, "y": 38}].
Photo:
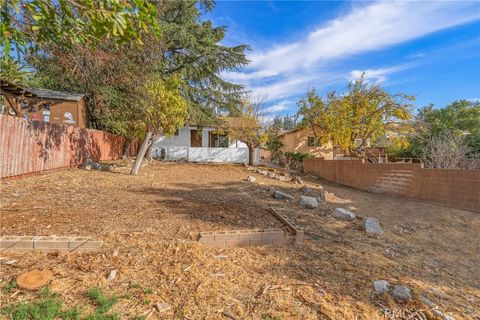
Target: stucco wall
[
  {"x": 183, "y": 139},
  {"x": 297, "y": 141},
  {"x": 220, "y": 155},
  {"x": 450, "y": 187}
]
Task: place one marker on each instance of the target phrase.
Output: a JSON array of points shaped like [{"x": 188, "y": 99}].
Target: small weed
[
  {"x": 127, "y": 295},
  {"x": 103, "y": 303},
  {"x": 146, "y": 301},
  {"x": 268, "y": 316},
  {"x": 148, "y": 290},
  {"x": 8, "y": 288},
  {"x": 134, "y": 285}
]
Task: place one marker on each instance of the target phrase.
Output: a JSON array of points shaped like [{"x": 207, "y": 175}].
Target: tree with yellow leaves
[
  {"x": 247, "y": 126},
  {"x": 364, "y": 113}
]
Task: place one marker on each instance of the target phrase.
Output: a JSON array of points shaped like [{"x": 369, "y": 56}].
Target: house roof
[
  {"x": 57, "y": 95},
  {"x": 229, "y": 121},
  {"x": 285, "y": 132}
]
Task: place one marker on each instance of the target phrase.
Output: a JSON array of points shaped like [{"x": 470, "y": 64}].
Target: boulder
[
  {"x": 305, "y": 190},
  {"x": 251, "y": 179},
  {"x": 308, "y": 202},
  {"x": 282, "y": 196},
  {"x": 401, "y": 292},
  {"x": 343, "y": 214},
  {"x": 372, "y": 226},
  {"x": 380, "y": 286}
]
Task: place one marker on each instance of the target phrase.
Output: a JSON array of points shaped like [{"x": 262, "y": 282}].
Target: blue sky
[{"x": 429, "y": 49}]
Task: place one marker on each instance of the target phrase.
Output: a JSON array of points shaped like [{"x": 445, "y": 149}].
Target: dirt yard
[{"x": 147, "y": 222}]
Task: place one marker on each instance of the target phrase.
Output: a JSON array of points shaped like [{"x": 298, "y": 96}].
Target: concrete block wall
[
  {"x": 49, "y": 244},
  {"x": 245, "y": 238},
  {"x": 450, "y": 187}
]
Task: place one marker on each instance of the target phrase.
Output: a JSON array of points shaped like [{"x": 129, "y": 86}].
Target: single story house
[
  {"x": 193, "y": 143},
  {"x": 306, "y": 140},
  {"x": 37, "y": 104}
]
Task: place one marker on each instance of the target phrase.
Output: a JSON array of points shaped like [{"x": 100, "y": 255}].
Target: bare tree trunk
[
  {"x": 251, "y": 155},
  {"x": 141, "y": 153},
  {"x": 148, "y": 154}
]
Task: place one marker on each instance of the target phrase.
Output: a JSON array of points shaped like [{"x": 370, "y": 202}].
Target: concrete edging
[
  {"x": 245, "y": 238},
  {"x": 298, "y": 232},
  {"x": 49, "y": 244}
]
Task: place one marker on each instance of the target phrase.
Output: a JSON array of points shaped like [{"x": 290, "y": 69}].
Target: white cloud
[
  {"x": 373, "y": 75},
  {"x": 290, "y": 68},
  {"x": 279, "y": 107},
  {"x": 365, "y": 28}
]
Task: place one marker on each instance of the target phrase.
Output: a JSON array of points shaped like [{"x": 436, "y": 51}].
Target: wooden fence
[
  {"x": 33, "y": 146},
  {"x": 450, "y": 187}
]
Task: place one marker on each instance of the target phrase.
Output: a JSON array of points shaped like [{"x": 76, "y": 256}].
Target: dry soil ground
[{"x": 148, "y": 221}]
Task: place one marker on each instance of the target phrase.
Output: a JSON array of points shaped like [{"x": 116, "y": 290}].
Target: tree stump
[{"x": 34, "y": 279}]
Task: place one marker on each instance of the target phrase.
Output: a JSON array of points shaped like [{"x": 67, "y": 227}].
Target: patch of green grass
[
  {"x": 104, "y": 304},
  {"x": 49, "y": 307}
]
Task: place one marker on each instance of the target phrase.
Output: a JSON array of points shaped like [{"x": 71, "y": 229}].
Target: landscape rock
[
  {"x": 112, "y": 275},
  {"x": 305, "y": 190},
  {"x": 308, "y": 202},
  {"x": 401, "y": 292},
  {"x": 282, "y": 196},
  {"x": 372, "y": 226},
  {"x": 163, "y": 307},
  {"x": 251, "y": 179},
  {"x": 89, "y": 164},
  {"x": 271, "y": 174},
  {"x": 343, "y": 214},
  {"x": 322, "y": 196},
  {"x": 380, "y": 286}
]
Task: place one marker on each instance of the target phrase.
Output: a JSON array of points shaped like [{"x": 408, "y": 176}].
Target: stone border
[
  {"x": 245, "y": 238},
  {"x": 49, "y": 244},
  {"x": 298, "y": 232}
]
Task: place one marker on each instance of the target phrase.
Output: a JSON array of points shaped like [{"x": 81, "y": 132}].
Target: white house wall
[{"x": 178, "y": 147}]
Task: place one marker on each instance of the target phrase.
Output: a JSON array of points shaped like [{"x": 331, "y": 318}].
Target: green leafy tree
[
  {"x": 365, "y": 112},
  {"x": 28, "y": 25},
  {"x": 460, "y": 119},
  {"x": 163, "y": 111},
  {"x": 112, "y": 74}
]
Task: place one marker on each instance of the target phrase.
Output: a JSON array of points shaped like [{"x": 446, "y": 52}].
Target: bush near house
[{"x": 294, "y": 159}]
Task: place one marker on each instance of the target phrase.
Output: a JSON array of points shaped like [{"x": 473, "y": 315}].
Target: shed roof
[
  {"x": 10, "y": 88},
  {"x": 14, "y": 89},
  {"x": 57, "y": 95}
]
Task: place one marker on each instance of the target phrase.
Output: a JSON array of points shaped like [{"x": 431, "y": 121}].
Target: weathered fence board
[{"x": 33, "y": 146}]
